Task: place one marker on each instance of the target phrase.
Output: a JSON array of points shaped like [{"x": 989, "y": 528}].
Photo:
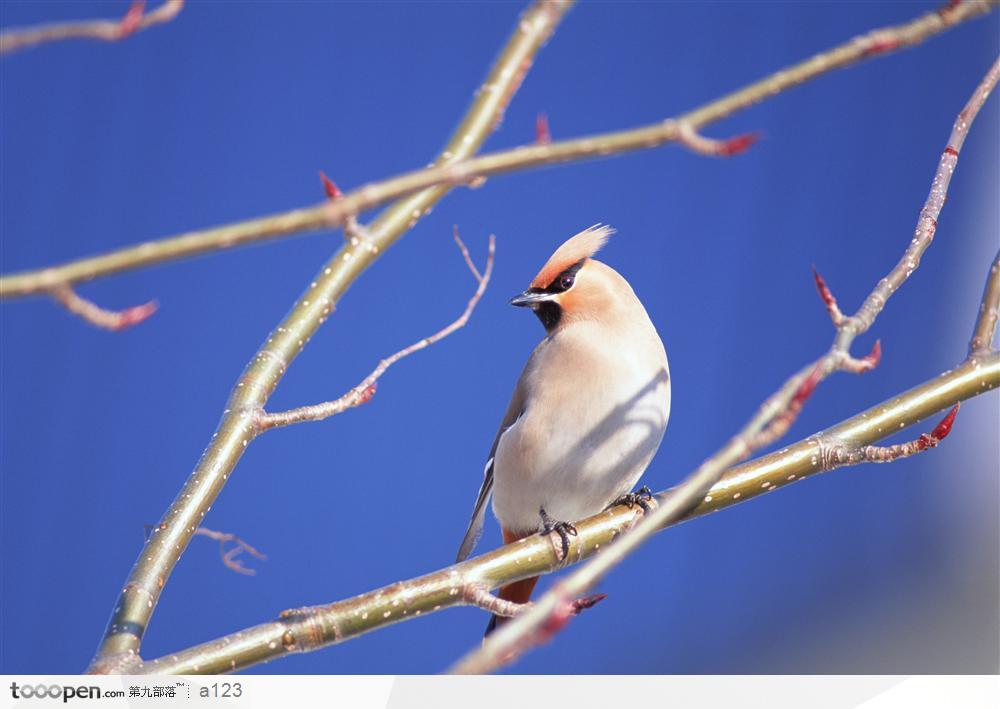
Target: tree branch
[
  {"x": 456, "y": 169},
  {"x": 927, "y": 222},
  {"x": 989, "y": 313},
  {"x": 364, "y": 391},
  {"x": 852, "y": 455},
  {"x": 119, "y": 649},
  {"x": 134, "y": 20},
  {"x": 114, "y": 320},
  {"x": 479, "y": 595},
  {"x": 229, "y": 555},
  {"x": 529, "y": 627},
  {"x": 305, "y": 630},
  {"x": 696, "y": 143}
]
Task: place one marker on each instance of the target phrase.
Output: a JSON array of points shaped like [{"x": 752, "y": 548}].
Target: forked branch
[{"x": 365, "y": 390}]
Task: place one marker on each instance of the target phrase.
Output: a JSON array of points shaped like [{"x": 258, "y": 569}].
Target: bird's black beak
[{"x": 531, "y": 298}]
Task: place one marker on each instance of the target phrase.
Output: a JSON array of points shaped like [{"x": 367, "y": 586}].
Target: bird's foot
[
  {"x": 565, "y": 530},
  {"x": 641, "y": 497}
]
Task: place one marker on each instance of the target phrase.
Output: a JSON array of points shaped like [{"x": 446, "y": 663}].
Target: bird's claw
[
  {"x": 565, "y": 530},
  {"x": 641, "y": 497}
]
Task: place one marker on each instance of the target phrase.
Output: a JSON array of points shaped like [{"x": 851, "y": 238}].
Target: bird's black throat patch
[{"x": 549, "y": 313}]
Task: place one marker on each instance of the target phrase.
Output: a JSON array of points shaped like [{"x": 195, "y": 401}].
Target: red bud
[
  {"x": 875, "y": 356},
  {"x": 131, "y": 317},
  {"x": 132, "y": 19},
  {"x": 738, "y": 144},
  {"x": 942, "y": 430},
  {"x": 543, "y": 136},
  {"x": 330, "y": 187}
]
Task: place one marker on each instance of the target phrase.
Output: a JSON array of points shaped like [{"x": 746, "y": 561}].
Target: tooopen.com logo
[{"x": 56, "y": 691}]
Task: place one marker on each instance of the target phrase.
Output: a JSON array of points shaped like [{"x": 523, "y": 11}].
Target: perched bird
[{"x": 588, "y": 411}]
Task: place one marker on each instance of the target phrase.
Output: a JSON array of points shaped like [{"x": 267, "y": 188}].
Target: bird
[{"x": 588, "y": 412}]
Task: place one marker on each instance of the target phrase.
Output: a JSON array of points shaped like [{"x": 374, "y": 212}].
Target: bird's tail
[{"x": 517, "y": 592}]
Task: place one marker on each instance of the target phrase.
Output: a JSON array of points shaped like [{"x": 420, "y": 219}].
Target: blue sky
[{"x": 228, "y": 113}]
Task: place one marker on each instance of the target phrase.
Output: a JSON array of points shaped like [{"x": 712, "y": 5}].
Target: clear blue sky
[{"x": 228, "y": 112}]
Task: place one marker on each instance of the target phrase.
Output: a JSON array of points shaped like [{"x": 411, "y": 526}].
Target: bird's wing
[
  {"x": 475, "y": 529},
  {"x": 514, "y": 410}
]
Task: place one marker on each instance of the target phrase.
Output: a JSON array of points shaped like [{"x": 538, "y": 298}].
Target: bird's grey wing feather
[
  {"x": 514, "y": 410},
  {"x": 475, "y": 530}
]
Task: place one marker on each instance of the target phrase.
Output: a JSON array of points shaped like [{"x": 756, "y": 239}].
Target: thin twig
[
  {"x": 527, "y": 629},
  {"x": 455, "y": 169},
  {"x": 320, "y": 626},
  {"x": 134, "y": 20},
  {"x": 780, "y": 424},
  {"x": 479, "y": 595},
  {"x": 927, "y": 222},
  {"x": 365, "y": 390},
  {"x": 465, "y": 253},
  {"x": 476, "y": 594},
  {"x": 989, "y": 312},
  {"x": 828, "y": 299},
  {"x": 728, "y": 147},
  {"x": 114, "y": 320},
  {"x": 852, "y": 455},
  {"x": 119, "y": 649},
  {"x": 229, "y": 555}
]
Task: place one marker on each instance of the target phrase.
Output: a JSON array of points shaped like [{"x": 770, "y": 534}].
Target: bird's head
[{"x": 573, "y": 286}]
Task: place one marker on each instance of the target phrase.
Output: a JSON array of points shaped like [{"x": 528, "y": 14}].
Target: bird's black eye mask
[
  {"x": 549, "y": 311},
  {"x": 563, "y": 282}
]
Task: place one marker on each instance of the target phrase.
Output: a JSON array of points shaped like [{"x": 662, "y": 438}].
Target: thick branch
[
  {"x": 134, "y": 20},
  {"x": 306, "y": 630},
  {"x": 512, "y": 639},
  {"x": 365, "y": 390},
  {"x": 135, "y": 605},
  {"x": 455, "y": 169}
]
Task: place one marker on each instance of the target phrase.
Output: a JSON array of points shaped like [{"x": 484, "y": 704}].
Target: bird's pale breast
[{"x": 583, "y": 440}]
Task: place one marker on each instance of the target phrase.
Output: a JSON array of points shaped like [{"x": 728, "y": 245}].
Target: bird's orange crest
[{"x": 584, "y": 245}]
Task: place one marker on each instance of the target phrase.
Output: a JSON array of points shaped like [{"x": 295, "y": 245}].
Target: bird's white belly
[{"x": 574, "y": 466}]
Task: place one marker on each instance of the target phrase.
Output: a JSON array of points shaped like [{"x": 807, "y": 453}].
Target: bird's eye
[{"x": 566, "y": 282}]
